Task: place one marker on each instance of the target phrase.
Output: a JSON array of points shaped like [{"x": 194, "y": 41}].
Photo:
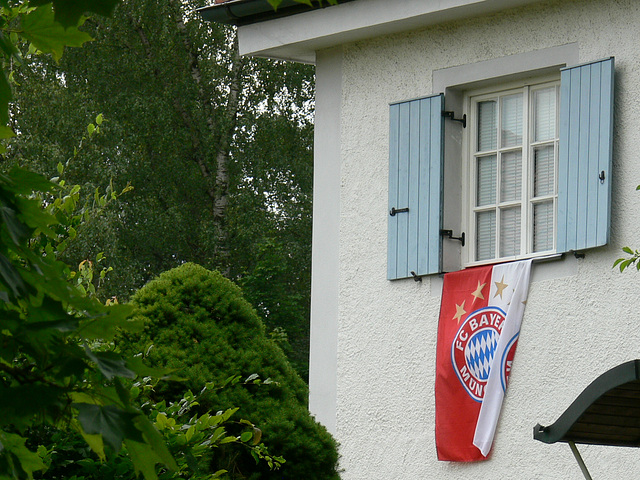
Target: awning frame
[{"x": 607, "y": 412}]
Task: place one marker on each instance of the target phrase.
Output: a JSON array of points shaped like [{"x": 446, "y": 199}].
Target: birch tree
[{"x": 216, "y": 147}]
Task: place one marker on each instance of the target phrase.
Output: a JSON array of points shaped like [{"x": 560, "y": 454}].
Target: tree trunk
[
  {"x": 222, "y": 158},
  {"x": 218, "y": 186}
]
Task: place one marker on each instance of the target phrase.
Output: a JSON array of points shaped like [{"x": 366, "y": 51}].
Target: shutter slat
[
  {"x": 435, "y": 186},
  {"x": 586, "y": 139},
  {"x": 403, "y": 187},
  {"x": 424, "y": 203},
  {"x": 573, "y": 158},
  {"x": 563, "y": 168},
  {"x": 605, "y": 158},
  {"x": 415, "y": 181},
  {"x": 594, "y": 148},
  {"x": 392, "y": 233},
  {"x": 583, "y": 157}
]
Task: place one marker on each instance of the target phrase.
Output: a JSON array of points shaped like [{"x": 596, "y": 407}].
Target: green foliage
[
  {"x": 633, "y": 259},
  {"x": 52, "y": 370},
  {"x": 55, "y": 366},
  {"x": 48, "y": 36},
  {"x": 74, "y": 208},
  {"x": 35, "y": 24},
  {"x": 48, "y": 371},
  {"x": 58, "y": 369},
  {"x": 270, "y": 226},
  {"x": 68, "y": 13},
  {"x": 163, "y": 131},
  {"x": 198, "y": 324},
  {"x": 193, "y": 439},
  {"x": 623, "y": 263}
]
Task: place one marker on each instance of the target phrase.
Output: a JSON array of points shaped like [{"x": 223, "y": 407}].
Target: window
[
  {"x": 538, "y": 179},
  {"x": 513, "y": 143}
]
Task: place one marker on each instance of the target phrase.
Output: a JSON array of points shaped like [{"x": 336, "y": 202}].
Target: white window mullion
[
  {"x": 473, "y": 179},
  {"x": 555, "y": 190},
  {"x": 485, "y": 166},
  {"x": 555, "y": 170},
  {"x": 498, "y": 216},
  {"x": 510, "y": 211},
  {"x": 526, "y": 175},
  {"x": 544, "y": 118}
]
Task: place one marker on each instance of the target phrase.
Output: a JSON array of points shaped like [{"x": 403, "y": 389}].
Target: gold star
[
  {"x": 478, "y": 293},
  {"x": 460, "y": 311},
  {"x": 500, "y": 287}
]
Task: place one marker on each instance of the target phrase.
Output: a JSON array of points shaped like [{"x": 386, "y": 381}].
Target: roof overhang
[
  {"x": 298, "y": 36},
  {"x": 246, "y": 12}
]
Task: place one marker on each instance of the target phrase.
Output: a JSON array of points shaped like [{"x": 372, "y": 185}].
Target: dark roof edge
[
  {"x": 245, "y": 12},
  {"x": 623, "y": 373}
]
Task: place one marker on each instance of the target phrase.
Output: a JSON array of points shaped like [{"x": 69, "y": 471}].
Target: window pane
[
  {"x": 544, "y": 102},
  {"x": 486, "y": 235},
  {"x": 512, "y": 120},
  {"x": 487, "y": 128},
  {"x": 510, "y": 232},
  {"x": 511, "y": 176},
  {"x": 486, "y": 180},
  {"x": 543, "y": 226},
  {"x": 544, "y": 171}
]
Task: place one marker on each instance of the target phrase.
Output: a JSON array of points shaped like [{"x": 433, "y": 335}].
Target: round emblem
[{"x": 474, "y": 347}]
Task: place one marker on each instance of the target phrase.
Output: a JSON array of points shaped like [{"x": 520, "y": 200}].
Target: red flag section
[{"x": 459, "y": 390}]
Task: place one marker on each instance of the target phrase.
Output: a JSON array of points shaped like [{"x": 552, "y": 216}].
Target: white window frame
[
  {"x": 527, "y": 201},
  {"x": 455, "y": 81}
]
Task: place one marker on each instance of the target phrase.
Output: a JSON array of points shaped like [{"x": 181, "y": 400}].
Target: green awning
[{"x": 607, "y": 412}]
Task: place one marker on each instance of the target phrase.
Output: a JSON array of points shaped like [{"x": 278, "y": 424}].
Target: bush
[
  {"x": 193, "y": 441},
  {"x": 198, "y": 324}
]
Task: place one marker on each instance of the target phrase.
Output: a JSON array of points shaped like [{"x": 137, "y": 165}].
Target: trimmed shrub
[{"x": 198, "y": 324}]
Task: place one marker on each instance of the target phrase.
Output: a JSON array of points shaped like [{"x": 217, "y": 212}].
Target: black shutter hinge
[
  {"x": 449, "y": 234},
  {"x": 395, "y": 210},
  {"x": 462, "y": 120}
]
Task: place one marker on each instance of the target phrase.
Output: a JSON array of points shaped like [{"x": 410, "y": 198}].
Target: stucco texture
[{"x": 578, "y": 322}]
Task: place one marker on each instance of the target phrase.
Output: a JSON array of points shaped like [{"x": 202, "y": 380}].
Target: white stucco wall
[{"x": 582, "y": 316}]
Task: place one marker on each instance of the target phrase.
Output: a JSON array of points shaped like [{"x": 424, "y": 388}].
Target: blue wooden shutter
[
  {"x": 584, "y": 161},
  {"x": 415, "y": 182}
]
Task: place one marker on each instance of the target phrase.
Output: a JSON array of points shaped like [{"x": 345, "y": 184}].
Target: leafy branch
[
  {"x": 44, "y": 371},
  {"x": 624, "y": 263}
]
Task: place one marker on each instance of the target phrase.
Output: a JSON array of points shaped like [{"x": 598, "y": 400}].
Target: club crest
[{"x": 474, "y": 347}]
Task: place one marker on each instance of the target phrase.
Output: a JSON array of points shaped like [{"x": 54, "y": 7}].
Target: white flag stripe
[{"x": 509, "y": 288}]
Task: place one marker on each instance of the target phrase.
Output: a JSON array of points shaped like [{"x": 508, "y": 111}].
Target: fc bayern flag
[{"x": 480, "y": 318}]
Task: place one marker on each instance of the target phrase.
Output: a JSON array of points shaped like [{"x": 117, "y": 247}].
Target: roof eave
[{"x": 247, "y": 12}]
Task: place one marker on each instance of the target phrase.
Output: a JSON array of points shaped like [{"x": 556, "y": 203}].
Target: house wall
[{"x": 581, "y": 317}]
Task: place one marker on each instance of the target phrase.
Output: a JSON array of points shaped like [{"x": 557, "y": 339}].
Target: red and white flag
[{"x": 480, "y": 318}]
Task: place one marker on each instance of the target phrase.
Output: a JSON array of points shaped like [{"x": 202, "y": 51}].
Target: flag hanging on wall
[{"x": 478, "y": 330}]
